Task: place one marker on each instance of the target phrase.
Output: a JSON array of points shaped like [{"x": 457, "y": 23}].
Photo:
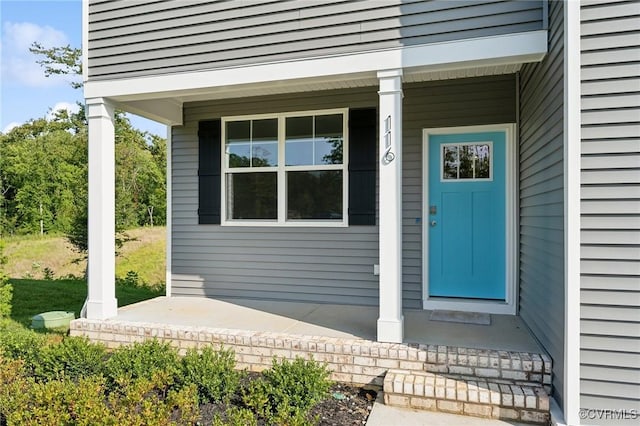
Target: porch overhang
[{"x": 161, "y": 97}]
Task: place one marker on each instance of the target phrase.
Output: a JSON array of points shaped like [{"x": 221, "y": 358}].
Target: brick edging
[{"x": 356, "y": 361}]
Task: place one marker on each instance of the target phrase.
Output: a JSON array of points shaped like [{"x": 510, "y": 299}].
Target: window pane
[
  {"x": 238, "y": 144},
  {"x": 466, "y": 161},
  {"x": 328, "y": 139},
  {"x": 299, "y": 141},
  {"x": 252, "y": 195},
  {"x": 450, "y": 162},
  {"x": 314, "y": 195},
  {"x": 264, "y": 143},
  {"x": 483, "y": 156}
]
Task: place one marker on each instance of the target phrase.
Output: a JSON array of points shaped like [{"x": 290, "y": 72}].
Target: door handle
[{"x": 433, "y": 223}]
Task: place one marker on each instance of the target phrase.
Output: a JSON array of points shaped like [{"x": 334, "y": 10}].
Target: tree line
[{"x": 43, "y": 169}]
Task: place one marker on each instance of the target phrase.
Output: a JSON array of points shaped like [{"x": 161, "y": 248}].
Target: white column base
[
  {"x": 391, "y": 331},
  {"x": 102, "y": 309}
]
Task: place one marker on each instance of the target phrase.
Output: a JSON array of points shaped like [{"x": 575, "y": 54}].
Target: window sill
[{"x": 287, "y": 224}]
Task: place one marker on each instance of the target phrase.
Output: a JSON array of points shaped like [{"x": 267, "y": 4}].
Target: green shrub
[
  {"x": 6, "y": 290},
  {"x": 257, "y": 396},
  {"x": 288, "y": 390},
  {"x": 58, "y": 402},
  {"x": 142, "y": 402},
  {"x": 235, "y": 416},
  {"x": 132, "y": 279},
  {"x": 300, "y": 383},
  {"x": 6, "y": 296},
  {"x": 287, "y": 415},
  {"x": 143, "y": 360},
  {"x": 20, "y": 343},
  {"x": 213, "y": 373},
  {"x": 74, "y": 357}
]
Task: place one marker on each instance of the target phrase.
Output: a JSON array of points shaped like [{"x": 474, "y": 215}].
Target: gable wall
[
  {"x": 542, "y": 197},
  {"x": 145, "y": 37},
  {"x": 610, "y": 194}
]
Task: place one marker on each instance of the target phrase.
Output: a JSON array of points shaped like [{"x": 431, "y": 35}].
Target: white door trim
[{"x": 509, "y": 306}]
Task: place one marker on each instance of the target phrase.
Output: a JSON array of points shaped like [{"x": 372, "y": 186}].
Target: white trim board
[
  {"x": 169, "y": 213},
  {"x": 509, "y": 305},
  {"x": 571, "y": 154}
]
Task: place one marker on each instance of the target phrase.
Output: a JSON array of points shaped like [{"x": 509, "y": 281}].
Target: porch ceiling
[{"x": 167, "y": 107}]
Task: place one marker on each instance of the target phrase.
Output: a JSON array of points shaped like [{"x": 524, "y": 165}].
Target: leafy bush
[
  {"x": 235, "y": 416},
  {"x": 6, "y": 290},
  {"x": 288, "y": 390},
  {"x": 143, "y": 360},
  {"x": 85, "y": 402},
  {"x": 74, "y": 358},
  {"x": 142, "y": 402},
  {"x": 213, "y": 373},
  {"x": 6, "y": 295},
  {"x": 20, "y": 343},
  {"x": 132, "y": 279}
]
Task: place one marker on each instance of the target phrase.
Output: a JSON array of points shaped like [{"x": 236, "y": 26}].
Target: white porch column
[
  {"x": 101, "y": 302},
  {"x": 391, "y": 321}
]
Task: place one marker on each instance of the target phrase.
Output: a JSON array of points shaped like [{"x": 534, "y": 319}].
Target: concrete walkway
[{"x": 385, "y": 415}]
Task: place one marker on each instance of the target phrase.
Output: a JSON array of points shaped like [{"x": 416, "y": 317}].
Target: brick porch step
[
  {"x": 490, "y": 364},
  {"x": 473, "y": 396}
]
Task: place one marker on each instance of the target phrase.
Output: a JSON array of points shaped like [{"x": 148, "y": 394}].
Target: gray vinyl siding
[
  {"x": 144, "y": 37},
  {"x": 450, "y": 103},
  {"x": 541, "y": 184},
  {"x": 610, "y": 206},
  {"x": 329, "y": 265}
]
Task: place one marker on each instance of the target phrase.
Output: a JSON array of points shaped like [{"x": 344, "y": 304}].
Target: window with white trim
[{"x": 285, "y": 169}]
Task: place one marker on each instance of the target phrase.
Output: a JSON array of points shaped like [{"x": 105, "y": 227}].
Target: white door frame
[{"x": 509, "y": 306}]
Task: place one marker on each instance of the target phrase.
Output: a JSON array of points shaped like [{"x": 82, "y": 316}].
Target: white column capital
[
  {"x": 99, "y": 108},
  {"x": 390, "y": 82},
  {"x": 393, "y": 73}
]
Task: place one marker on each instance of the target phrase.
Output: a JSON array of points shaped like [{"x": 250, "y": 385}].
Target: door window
[{"x": 466, "y": 161}]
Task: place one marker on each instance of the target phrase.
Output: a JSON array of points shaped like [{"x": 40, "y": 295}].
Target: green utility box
[{"x": 53, "y": 319}]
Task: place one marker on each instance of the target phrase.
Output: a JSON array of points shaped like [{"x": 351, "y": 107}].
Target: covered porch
[
  {"x": 388, "y": 251},
  {"x": 504, "y": 332},
  {"x": 495, "y": 370}
]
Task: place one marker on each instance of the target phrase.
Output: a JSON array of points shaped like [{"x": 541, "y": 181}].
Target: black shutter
[
  {"x": 362, "y": 166},
  {"x": 209, "y": 134}
]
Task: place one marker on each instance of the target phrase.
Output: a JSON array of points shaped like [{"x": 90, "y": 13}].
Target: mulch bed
[{"x": 346, "y": 405}]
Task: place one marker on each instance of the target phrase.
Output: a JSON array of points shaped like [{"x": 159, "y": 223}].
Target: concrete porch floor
[{"x": 505, "y": 332}]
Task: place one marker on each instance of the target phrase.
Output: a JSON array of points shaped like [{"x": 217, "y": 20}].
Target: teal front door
[{"x": 466, "y": 215}]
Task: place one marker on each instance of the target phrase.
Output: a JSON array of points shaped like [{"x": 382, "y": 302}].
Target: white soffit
[{"x": 168, "y": 110}]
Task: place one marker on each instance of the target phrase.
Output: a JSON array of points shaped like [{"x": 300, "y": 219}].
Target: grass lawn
[
  {"x": 29, "y": 256},
  {"x": 32, "y": 297}
]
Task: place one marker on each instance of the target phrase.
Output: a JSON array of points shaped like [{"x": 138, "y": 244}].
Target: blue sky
[{"x": 25, "y": 92}]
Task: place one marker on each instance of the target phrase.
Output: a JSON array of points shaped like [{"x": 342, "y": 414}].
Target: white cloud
[
  {"x": 71, "y": 108},
  {"x": 18, "y": 64},
  {"x": 10, "y": 127}
]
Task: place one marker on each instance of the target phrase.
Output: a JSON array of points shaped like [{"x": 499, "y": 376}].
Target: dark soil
[
  {"x": 354, "y": 409},
  {"x": 345, "y": 406}
]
